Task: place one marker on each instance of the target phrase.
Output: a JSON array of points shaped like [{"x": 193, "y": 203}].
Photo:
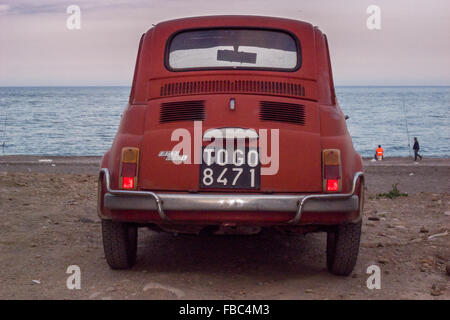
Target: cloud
[
  {"x": 4, "y": 8},
  {"x": 32, "y": 7}
]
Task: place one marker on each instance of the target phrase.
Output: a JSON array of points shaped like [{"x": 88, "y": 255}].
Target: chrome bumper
[{"x": 147, "y": 200}]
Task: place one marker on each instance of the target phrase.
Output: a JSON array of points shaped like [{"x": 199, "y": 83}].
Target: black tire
[
  {"x": 343, "y": 248},
  {"x": 119, "y": 243}
]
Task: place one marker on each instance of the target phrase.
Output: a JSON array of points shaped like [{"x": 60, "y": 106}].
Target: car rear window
[{"x": 234, "y": 49}]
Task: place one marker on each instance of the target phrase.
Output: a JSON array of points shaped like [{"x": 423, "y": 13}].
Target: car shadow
[{"x": 268, "y": 253}]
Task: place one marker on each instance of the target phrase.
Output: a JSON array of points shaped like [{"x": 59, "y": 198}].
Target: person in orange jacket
[{"x": 379, "y": 153}]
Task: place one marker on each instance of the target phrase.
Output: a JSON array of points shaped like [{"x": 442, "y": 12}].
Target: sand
[{"x": 49, "y": 222}]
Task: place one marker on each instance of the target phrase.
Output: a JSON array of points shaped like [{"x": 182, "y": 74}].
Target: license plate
[{"x": 236, "y": 169}]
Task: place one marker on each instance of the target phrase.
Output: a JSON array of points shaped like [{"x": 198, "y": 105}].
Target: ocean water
[{"x": 83, "y": 120}]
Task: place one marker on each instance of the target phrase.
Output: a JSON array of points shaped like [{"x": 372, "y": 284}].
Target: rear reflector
[
  {"x": 127, "y": 182},
  {"x": 128, "y": 169},
  {"x": 331, "y": 172},
  {"x": 332, "y": 184}
]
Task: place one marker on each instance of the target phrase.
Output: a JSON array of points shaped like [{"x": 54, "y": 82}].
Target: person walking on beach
[
  {"x": 379, "y": 153},
  {"x": 416, "y": 149}
]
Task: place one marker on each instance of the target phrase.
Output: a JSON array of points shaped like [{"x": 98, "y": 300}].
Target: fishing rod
[
  {"x": 4, "y": 130},
  {"x": 406, "y": 124}
]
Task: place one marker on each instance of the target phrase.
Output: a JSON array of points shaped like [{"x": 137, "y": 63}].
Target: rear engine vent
[
  {"x": 282, "y": 112},
  {"x": 233, "y": 86},
  {"x": 182, "y": 111}
]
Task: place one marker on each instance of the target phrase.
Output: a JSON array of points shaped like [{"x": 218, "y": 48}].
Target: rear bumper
[{"x": 162, "y": 202}]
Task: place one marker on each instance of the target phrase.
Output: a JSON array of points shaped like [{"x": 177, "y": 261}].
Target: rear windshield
[{"x": 233, "y": 48}]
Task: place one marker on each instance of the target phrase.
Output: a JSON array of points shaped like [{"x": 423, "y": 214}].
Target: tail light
[
  {"x": 332, "y": 170},
  {"x": 129, "y": 168}
]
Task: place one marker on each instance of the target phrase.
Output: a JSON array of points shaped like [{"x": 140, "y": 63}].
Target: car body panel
[{"x": 300, "y": 165}]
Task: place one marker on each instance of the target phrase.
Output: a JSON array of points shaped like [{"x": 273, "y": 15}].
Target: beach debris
[
  {"x": 308, "y": 291},
  {"x": 447, "y": 268},
  {"x": 36, "y": 281},
  {"x": 424, "y": 230},
  {"x": 411, "y": 174},
  {"x": 436, "y": 290},
  {"x": 94, "y": 295},
  {"x": 373, "y": 218},
  {"x": 443, "y": 234},
  {"x": 86, "y": 220},
  {"x": 45, "y": 160},
  {"x": 154, "y": 285},
  {"x": 447, "y": 213}
]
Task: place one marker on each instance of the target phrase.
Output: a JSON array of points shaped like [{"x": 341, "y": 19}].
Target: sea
[{"x": 75, "y": 121}]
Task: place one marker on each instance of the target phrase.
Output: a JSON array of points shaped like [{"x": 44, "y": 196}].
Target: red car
[{"x": 232, "y": 126}]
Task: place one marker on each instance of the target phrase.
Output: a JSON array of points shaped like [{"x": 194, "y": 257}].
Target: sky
[{"x": 37, "y": 49}]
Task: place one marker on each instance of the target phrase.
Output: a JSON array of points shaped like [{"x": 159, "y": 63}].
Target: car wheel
[
  {"x": 343, "y": 248},
  {"x": 119, "y": 243}
]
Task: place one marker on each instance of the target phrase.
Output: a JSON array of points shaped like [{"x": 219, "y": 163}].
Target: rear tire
[
  {"x": 119, "y": 244},
  {"x": 343, "y": 247}
]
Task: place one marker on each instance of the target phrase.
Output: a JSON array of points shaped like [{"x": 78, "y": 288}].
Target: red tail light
[
  {"x": 129, "y": 168},
  {"x": 127, "y": 182},
  {"x": 332, "y": 170},
  {"x": 332, "y": 185}
]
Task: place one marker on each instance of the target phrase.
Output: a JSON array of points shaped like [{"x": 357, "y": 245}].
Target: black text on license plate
[{"x": 238, "y": 170}]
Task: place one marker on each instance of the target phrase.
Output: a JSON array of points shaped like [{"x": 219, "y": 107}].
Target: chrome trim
[
  {"x": 230, "y": 133},
  {"x": 158, "y": 201},
  {"x": 229, "y": 202},
  {"x": 297, "y": 217}
]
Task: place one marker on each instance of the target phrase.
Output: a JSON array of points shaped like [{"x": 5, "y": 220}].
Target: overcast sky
[{"x": 36, "y": 48}]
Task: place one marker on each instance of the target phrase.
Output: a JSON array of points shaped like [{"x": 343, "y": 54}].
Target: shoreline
[
  {"x": 411, "y": 177},
  {"x": 89, "y": 159}
]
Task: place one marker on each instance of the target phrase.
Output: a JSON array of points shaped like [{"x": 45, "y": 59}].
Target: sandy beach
[{"x": 49, "y": 222}]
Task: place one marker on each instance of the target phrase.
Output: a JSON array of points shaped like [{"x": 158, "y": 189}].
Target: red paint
[{"x": 300, "y": 170}]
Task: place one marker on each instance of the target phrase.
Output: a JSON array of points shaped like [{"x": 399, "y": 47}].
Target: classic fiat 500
[{"x": 232, "y": 126}]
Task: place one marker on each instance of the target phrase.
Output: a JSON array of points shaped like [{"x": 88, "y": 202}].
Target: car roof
[{"x": 232, "y": 20}]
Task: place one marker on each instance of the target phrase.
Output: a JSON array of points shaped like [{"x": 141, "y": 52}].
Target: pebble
[
  {"x": 448, "y": 268},
  {"x": 435, "y": 290},
  {"x": 424, "y": 230},
  {"x": 309, "y": 291},
  {"x": 447, "y": 213},
  {"x": 94, "y": 295}
]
